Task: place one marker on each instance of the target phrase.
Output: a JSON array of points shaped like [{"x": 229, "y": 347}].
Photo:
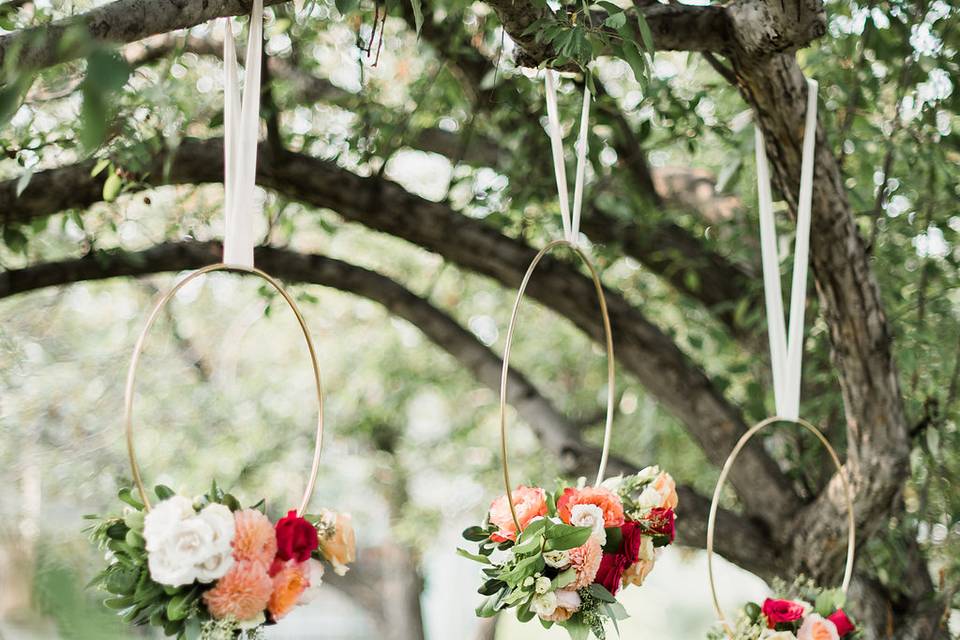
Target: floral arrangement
[
  {"x": 207, "y": 568},
  {"x": 574, "y": 549},
  {"x": 790, "y": 616}
]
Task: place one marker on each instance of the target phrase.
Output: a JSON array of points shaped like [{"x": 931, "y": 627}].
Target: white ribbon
[
  {"x": 241, "y": 124},
  {"x": 571, "y": 224},
  {"x": 786, "y": 352}
]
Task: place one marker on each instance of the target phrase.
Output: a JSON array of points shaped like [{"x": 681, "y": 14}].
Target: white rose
[
  {"x": 557, "y": 559},
  {"x": 542, "y": 585},
  {"x": 164, "y": 518},
  {"x": 316, "y": 579},
  {"x": 219, "y": 554},
  {"x": 544, "y": 604},
  {"x": 649, "y": 498},
  {"x": 589, "y": 515},
  {"x": 183, "y": 546}
]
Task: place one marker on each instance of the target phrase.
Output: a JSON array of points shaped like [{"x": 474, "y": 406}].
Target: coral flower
[
  {"x": 255, "y": 539},
  {"x": 242, "y": 594},
  {"x": 585, "y": 559},
  {"x": 607, "y": 500},
  {"x": 667, "y": 488},
  {"x": 816, "y": 627},
  {"x": 289, "y": 583},
  {"x": 529, "y": 502}
]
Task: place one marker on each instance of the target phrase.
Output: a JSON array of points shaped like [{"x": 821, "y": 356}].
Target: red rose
[
  {"x": 663, "y": 522},
  {"x": 779, "y": 611},
  {"x": 610, "y": 574},
  {"x": 842, "y": 622},
  {"x": 296, "y": 538},
  {"x": 612, "y": 565}
]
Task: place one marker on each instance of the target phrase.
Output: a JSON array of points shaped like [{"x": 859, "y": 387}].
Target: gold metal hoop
[
  {"x": 714, "y": 505},
  {"x": 138, "y": 350},
  {"x": 608, "y": 333}
]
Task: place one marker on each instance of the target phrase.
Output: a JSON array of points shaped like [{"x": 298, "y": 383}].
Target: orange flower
[
  {"x": 585, "y": 559},
  {"x": 667, "y": 488},
  {"x": 288, "y": 584},
  {"x": 529, "y": 502},
  {"x": 607, "y": 500},
  {"x": 242, "y": 593},
  {"x": 255, "y": 539},
  {"x": 340, "y": 549}
]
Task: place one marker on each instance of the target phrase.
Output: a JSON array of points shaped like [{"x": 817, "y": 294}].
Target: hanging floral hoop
[
  {"x": 562, "y": 556},
  {"x": 206, "y": 567},
  {"x": 792, "y": 613}
]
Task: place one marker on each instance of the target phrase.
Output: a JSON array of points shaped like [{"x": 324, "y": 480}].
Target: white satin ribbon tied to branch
[
  {"x": 241, "y": 123},
  {"x": 571, "y": 223},
  {"x": 786, "y": 352}
]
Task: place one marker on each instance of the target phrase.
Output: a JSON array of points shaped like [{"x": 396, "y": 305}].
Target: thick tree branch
[
  {"x": 118, "y": 22},
  {"x": 748, "y": 544},
  {"x": 380, "y": 204}
]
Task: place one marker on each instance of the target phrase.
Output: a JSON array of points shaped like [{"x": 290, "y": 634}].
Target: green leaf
[
  {"x": 126, "y": 495},
  {"x": 24, "y": 181},
  {"x": 615, "y": 20},
  {"x": 475, "y": 534},
  {"x": 563, "y": 536},
  {"x": 634, "y": 58},
  {"x": 473, "y": 556},
  {"x": 646, "y": 36},
  {"x": 417, "y": 14},
  {"x": 564, "y": 578},
  {"x": 112, "y": 186},
  {"x": 600, "y": 592},
  {"x": 346, "y": 6},
  {"x": 163, "y": 492},
  {"x": 12, "y": 95},
  {"x": 102, "y": 164},
  {"x": 179, "y": 606},
  {"x": 15, "y": 239}
]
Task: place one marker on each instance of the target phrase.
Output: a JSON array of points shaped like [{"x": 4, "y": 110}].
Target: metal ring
[
  {"x": 714, "y": 505},
  {"x": 138, "y": 350},
  {"x": 611, "y": 369}
]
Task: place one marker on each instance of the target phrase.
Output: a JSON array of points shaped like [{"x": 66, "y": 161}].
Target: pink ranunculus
[
  {"x": 607, "y": 500},
  {"x": 779, "y": 611},
  {"x": 529, "y": 503},
  {"x": 842, "y": 622},
  {"x": 816, "y": 627},
  {"x": 667, "y": 487}
]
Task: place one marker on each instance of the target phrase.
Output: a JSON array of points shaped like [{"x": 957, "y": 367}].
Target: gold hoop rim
[
  {"x": 611, "y": 365},
  {"x": 715, "y": 503},
  {"x": 138, "y": 351}
]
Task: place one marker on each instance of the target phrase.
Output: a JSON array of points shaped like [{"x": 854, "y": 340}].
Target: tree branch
[
  {"x": 748, "y": 544},
  {"x": 118, "y": 22},
  {"x": 679, "y": 384}
]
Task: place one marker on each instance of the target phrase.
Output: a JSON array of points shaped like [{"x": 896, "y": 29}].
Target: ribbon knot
[
  {"x": 571, "y": 222},
  {"x": 241, "y": 125},
  {"x": 786, "y": 351}
]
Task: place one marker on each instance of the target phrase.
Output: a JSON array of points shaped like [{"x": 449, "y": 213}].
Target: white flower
[
  {"x": 649, "y": 498},
  {"x": 557, "y": 559},
  {"x": 316, "y": 579},
  {"x": 589, "y": 515},
  {"x": 544, "y": 604},
  {"x": 164, "y": 518},
  {"x": 769, "y": 634},
  {"x": 253, "y": 622},
  {"x": 613, "y": 484},
  {"x": 648, "y": 474},
  {"x": 569, "y": 599},
  {"x": 183, "y": 546},
  {"x": 542, "y": 585}
]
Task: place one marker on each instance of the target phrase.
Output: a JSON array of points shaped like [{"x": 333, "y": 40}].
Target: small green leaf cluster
[{"x": 579, "y": 36}]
